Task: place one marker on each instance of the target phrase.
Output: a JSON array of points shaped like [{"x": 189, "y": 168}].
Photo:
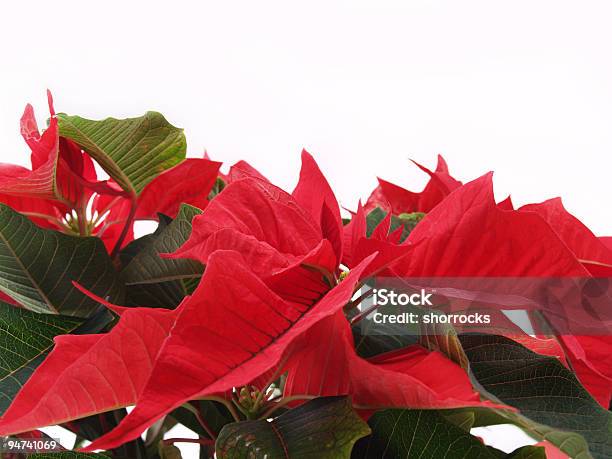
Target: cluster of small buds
[{"x": 252, "y": 401}]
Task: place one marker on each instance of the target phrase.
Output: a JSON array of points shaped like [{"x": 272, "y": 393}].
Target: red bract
[
  {"x": 329, "y": 365},
  {"x": 188, "y": 183},
  {"x": 589, "y": 355},
  {"x": 399, "y": 200},
  {"x": 40, "y": 182},
  {"x": 203, "y": 357},
  {"x": 266, "y": 318},
  {"x": 275, "y": 231},
  {"x": 90, "y": 374},
  {"x": 446, "y": 243},
  {"x": 56, "y": 192},
  {"x": 459, "y": 237}
]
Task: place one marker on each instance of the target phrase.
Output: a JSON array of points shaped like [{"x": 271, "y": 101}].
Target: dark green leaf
[
  {"x": 324, "y": 428},
  {"x": 93, "y": 427},
  {"x": 553, "y": 404},
  {"x": 215, "y": 413},
  {"x": 38, "y": 266},
  {"x": 369, "y": 345},
  {"x": 25, "y": 339},
  {"x": 423, "y": 434},
  {"x": 133, "y": 151},
  {"x": 154, "y": 295},
  {"x": 148, "y": 268},
  {"x": 132, "y": 249}
]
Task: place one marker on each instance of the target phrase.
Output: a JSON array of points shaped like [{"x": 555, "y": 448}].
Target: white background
[{"x": 522, "y": 87}]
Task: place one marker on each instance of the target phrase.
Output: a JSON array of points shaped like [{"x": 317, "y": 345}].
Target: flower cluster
[{"x": 239, "y": 315}]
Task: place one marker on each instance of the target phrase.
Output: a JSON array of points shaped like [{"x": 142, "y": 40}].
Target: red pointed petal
[
  {"x": 399, "y": 200},
  {"x": 40, "y": 182},
  {"x": 90, "y": 374},
  {"x": 190, "y": 182},
  {"x": 592, "y": 252},
  {"x": 328, "y": 365},
  {"x": 241, "y": 170},
  {"x": 468, "y": 235},
  {"x": 257, "y": 209},
  {"x": 352, "y": 233},
  {"x": 506, "y": 204},
  {"x": 202, "y": 357},
  {"x": 314, "y": 194},
  {"x": 44, "y": 213}
]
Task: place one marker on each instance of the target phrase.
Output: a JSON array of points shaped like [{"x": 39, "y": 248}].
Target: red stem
[
  {"x": 198, "y": 414},
  {"x": 126, "y": 227}
]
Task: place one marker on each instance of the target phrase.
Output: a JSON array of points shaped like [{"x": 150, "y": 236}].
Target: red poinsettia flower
[
  {"x": 56, "y": 193},
  {"x": 539, "y": 240},
  {"x": 270, "y": 288}
]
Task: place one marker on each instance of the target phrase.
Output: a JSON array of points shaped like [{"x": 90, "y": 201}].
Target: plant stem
[
  {"x": 81, "y": 217},
  {"x": 126, "y": 226}
]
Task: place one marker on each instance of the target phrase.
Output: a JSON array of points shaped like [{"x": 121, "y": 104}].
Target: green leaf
[
  {"x": 25, "y": 339},
  {"x": 133, "y": 248},
  {"x": 133, "y": 151},
  {"x": 38, "y": 266},
  {"x": 553, "y": 404},
  {"x": 217, "y": 188},
  {"x": 147, "y": 267},
  {"x": 528, "y": 452},
  {"x": 68, "y": 455},
  {"x": 325, "y": 428},
  {"x": 94, "y": 426},
  {"x": 215, "y": 413},
  {"x": 368, "y": 345},
  {"x": 167, "y": 294},
  {"x": 436, "y": 337},
  {"x": 423, "y": 434}
]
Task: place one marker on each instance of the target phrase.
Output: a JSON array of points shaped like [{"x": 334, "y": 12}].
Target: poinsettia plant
[{"x": 239, "y": 316}]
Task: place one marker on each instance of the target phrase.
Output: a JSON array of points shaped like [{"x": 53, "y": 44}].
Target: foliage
[{"x": 238, "y": 316}]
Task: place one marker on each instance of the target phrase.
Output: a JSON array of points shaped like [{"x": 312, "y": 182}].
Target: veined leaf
[
  {"x": 147, "y": 267},
  {"x": 38, "y": 266},
  {"x": 166, "y": 294},
  {"x": 90, "y": 374},
  {"x": 216, "y": 416},
  {"x": 370, "y": 345},
  {"x": 325, "y": 428},
  {"x": 423, "y": 434},
  {"x": 25, "y": 339},
  {"x": 546, "y": 393},
  {"x": 133, "y": 151}
]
